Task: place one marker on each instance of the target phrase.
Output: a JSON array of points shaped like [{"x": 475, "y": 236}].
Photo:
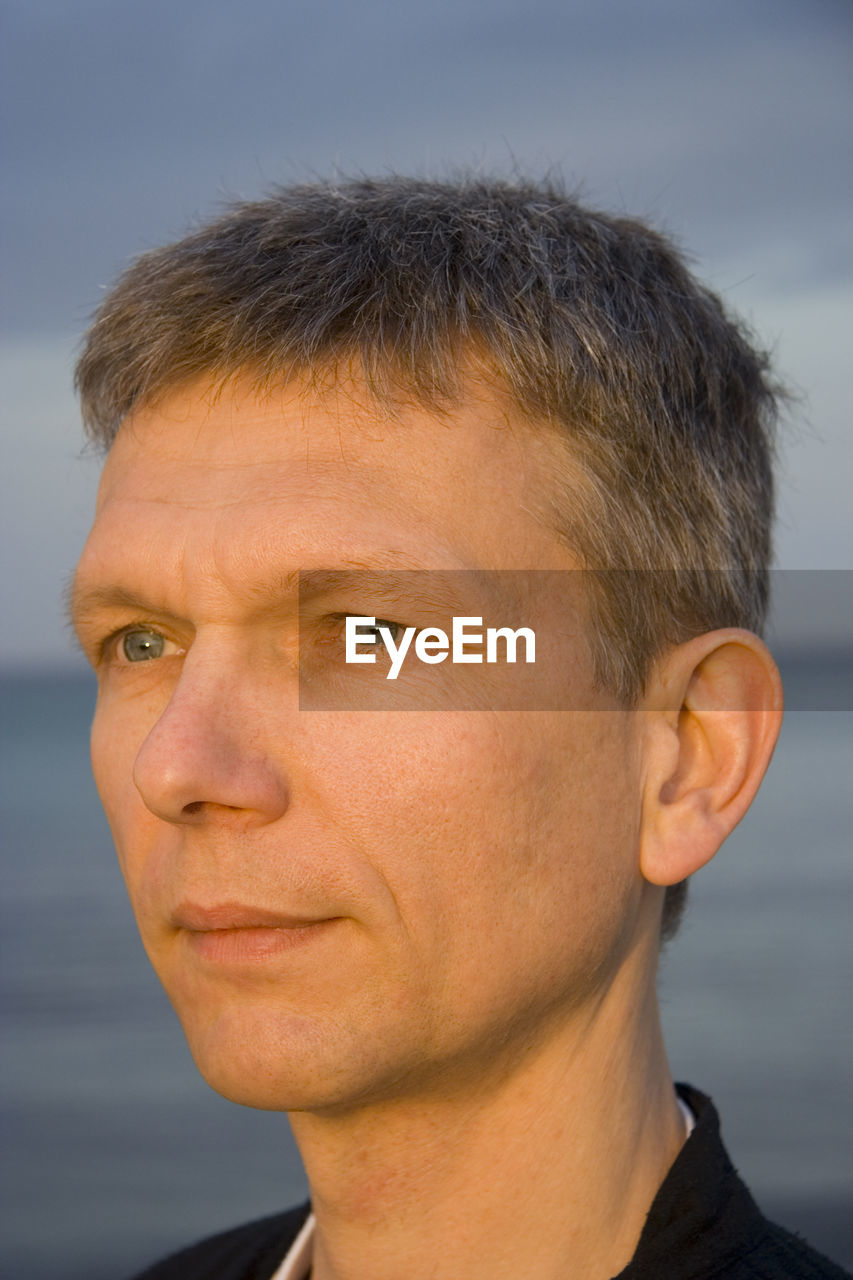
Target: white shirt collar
[
  {"x": 689, "y": 1118},
  {"x": 297, "y": 1264}
]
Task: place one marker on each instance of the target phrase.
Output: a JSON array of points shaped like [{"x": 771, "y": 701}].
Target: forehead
[{"x": 322, "y": 472}]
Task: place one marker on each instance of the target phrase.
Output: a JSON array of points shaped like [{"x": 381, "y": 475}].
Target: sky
[{"x": 724, "y": 122}]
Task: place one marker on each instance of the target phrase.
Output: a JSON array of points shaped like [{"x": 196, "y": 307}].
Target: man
[{"x": 424, "y": 918}]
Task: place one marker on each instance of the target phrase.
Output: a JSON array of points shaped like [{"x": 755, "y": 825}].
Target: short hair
[{"x": 592, "y": 322}]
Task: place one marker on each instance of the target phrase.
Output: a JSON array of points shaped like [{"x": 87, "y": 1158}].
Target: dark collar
[{"x": 703, "y": 1217}]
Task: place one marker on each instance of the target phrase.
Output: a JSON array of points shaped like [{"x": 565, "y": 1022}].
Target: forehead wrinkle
[
  {"x": 254, "y": 565},
  {"x": 273, "y": 587},
  {"x": 190, "y": 483},
  {"x": 309, "y": 583},
  {"x": 412, "y": 584}
]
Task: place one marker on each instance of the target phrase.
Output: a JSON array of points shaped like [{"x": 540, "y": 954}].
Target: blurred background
[{"x": 725, "y": 123}]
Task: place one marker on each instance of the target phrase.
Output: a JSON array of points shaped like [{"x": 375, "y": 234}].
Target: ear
[{"x": 713, "y": 713}]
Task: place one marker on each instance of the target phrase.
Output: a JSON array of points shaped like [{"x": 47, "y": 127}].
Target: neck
[{"x": 546, "y": 1170}]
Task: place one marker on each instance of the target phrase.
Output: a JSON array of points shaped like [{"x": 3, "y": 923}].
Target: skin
[{"x": 456, "y": 1005}]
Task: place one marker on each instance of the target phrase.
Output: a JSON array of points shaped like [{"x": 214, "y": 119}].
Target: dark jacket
[{"x": 703, "y": 1223}]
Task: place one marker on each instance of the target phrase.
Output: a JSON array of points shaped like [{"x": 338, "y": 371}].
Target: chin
[
  {"x": 270, "y": 1063},
  {"x": 276, "y": 1061}
]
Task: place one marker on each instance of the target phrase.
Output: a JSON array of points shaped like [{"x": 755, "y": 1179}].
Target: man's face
[{"x": 343, "y": 905}]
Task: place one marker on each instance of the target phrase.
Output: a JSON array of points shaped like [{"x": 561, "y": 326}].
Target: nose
[{"x": 211, "y": 755}]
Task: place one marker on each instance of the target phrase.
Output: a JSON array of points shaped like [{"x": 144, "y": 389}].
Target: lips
[
  {"x": 232, "y": 934},
  {"x": 234, "y": 915}
]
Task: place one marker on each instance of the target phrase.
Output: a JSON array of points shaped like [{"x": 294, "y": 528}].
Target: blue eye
[{"x": 142, "y": 645}]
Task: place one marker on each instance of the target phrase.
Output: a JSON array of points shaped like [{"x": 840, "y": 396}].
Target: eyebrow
[
  {"x": 403, "y": 583},
  {"x": 84, "y": 602}
]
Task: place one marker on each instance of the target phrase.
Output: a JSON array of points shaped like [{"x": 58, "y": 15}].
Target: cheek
[
  {"x": 483, "y": 825},
  {"x": 112, "y": 764},
  {"x": 114, "y": 744}
]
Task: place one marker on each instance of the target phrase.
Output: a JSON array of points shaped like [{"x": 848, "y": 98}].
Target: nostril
[{"x": 196, "y": 807}]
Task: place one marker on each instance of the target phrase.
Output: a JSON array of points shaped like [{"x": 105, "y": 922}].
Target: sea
[{"x": 114, "y": 1149}]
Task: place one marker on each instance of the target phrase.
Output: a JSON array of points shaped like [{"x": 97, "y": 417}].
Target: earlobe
[{"x": 714, "y": 709}]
